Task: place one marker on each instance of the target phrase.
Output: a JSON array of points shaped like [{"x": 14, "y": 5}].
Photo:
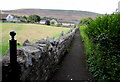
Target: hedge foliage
[
  {"x": 86, "y": 21},
  {"x": 104, "y": 58}
]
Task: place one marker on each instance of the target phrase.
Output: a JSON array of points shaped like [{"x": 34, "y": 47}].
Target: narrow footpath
[{"x": 74, "y": 64}]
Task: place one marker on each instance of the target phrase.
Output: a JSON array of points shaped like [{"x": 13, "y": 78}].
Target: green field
[{"x": 31, "y": 32}]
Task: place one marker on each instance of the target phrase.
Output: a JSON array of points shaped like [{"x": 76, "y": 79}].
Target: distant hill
[{"x": 60, "y": 14}]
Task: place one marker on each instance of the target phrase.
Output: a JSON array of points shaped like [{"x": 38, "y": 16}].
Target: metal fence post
[
  {"x": 15, "y": 67},
  {"x": 13, "y": 49}
]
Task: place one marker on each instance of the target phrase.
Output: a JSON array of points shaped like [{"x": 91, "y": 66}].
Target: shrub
[
  {"x": 103, "y": 60},
  {"x": 52, "y": 23},
  {"x": 58, "y": 25}
]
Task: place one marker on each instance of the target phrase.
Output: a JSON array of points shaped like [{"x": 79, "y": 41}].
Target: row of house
[
  {"x": 10, "y": 18},
  {"x": 61, "y": 22}
]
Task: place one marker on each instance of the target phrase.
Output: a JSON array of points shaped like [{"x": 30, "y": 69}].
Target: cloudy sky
[{"x": 98, "y": 6}]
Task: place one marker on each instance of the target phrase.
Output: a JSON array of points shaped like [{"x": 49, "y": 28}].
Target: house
[
  {"x": 6, "y": 17},
  {"x": 19, "y": 20},
  {"x": 42, "y": 21},
  {"x": 66, "y": 23},
  {"x": 75, "y": 22},
  {"x": 55, "y": 22},
  {"x": 11, "y": 18}
]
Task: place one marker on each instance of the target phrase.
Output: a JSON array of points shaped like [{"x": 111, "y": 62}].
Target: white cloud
[{"x": 99, "y": 6}]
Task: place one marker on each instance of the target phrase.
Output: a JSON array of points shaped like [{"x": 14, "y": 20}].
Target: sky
[{"x": 98, "y": 6}]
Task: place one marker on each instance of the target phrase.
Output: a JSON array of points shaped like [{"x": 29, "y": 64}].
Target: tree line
[{"x": 35, "y": 18}]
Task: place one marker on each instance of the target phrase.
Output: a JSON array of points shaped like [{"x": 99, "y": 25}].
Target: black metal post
[
  {"x": 13, "y": 49},
  {"x": 14, "y": 74}
]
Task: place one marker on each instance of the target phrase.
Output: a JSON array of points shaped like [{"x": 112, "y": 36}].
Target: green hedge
[
  {"x": 86, "y": 21},
  {"x": 104, "y": 47}
]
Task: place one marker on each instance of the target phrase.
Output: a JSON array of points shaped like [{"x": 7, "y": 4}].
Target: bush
[
  {"x": 103, "y": 59},
  {"x": 23, "y": 21},
  {"x": 58, "y": 25},
  {"x": 52, "y": 23}
]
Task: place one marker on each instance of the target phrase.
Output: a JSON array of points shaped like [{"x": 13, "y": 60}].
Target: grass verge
[{"x": 87, "y": 42}]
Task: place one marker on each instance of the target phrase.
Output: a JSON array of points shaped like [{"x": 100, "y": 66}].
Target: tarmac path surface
[{"x": 74, "y": 66}]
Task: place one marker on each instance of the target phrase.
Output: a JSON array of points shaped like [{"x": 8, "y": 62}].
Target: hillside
[{"x": 60, "y": 14}]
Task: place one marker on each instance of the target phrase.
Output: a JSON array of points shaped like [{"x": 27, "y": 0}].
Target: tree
[
  {"x": 47, "y": 22},
  {"x": 34, "y": 18},
  {"x": 24, "y": 17}
]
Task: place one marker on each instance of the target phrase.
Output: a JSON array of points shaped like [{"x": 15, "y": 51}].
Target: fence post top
[{"x": 12, "y": 34}]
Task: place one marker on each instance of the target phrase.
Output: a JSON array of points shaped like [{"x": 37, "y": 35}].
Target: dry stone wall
[{"x": 39, "y": 60}]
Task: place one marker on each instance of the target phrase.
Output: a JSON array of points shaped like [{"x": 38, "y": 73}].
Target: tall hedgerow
[{"x": 104, "y": 59}]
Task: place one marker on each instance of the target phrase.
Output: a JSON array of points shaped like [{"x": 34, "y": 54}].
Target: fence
[{"x": 36, "y": 61}]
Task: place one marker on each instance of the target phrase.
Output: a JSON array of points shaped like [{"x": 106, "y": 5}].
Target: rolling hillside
[{"x": 60, "y": 14}]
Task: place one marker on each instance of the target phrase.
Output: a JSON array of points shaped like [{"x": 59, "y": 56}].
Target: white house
[
  {"x": 16, "y": 20},
  {"x": 42, "y": 21},
  {"x": 10, "y": 18},
  {"x": 7, "y": 17},
  {"x": 66, "y": 23},
  {"x": 55, "y": 22},
  {"x": 19, "y": 20}
]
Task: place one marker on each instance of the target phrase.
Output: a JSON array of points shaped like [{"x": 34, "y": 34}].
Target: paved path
[{"x": 74, "y": 64}]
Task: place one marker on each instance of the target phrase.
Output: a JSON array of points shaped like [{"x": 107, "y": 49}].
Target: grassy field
[{"x": 32, "y": 32}]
